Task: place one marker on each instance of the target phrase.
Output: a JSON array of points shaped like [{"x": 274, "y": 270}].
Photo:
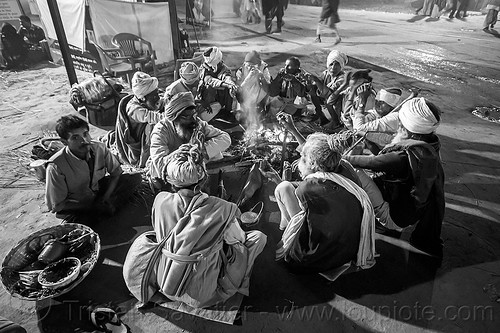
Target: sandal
[{"x": 106, "y": 320}]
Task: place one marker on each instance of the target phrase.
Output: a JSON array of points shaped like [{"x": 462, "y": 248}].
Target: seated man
[
  {"x": 135, "y": 122},
  {"x": 381, "y": 119},
  {"x": 325, "y": 91},
  {"x": 217, "y": 88},
  {"x": 207, "y": 257},
  {"x": 32, "y": 34},
  {"x": 181, "y": 125},
  {"x": 189, "y": 78},
  {"x": 411, "y": 188},
  {"x": 13, "y": 47},
  {"x": 287, "y": 88},
  {"x": 356, "y": 95},
  {"x": 76, "y": 180},
  {"x": 327, "y": 217},
  {"x": 253, "y": 79}
]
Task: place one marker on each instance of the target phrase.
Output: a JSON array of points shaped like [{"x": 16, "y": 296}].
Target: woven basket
[{"x": 16, "y": 274}]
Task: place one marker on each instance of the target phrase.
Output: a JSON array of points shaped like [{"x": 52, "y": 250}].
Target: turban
[
  {"x": 177, "y": 104},
  {"x": 417, "y": 118},
  {"x": 189, "y": 72},
  {"x": 212, "y": 56},
  {"x": 337, "y": 56},
  {"x": 388, "y": 97},
  {"x": 253, "y": 57},
  {"x": 185, "y": 166},
  {"x": 143, "y": 84}
]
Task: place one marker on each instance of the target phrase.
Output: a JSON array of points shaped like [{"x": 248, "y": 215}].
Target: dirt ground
[{"x": 455, "y": 65}]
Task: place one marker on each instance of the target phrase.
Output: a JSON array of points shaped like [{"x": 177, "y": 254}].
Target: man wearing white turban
[
  {"x": 325, "y": 90},
  {"x": 181, "y": 125},
  {"x": 410, "y": 189},
  {"x": 207, "y": 257},
  {"x": 137, "y": 115},
  {"x": 216, "y": 84},
  {"x": 189, "y": 78},
  {"x": 380, "y": 119}
]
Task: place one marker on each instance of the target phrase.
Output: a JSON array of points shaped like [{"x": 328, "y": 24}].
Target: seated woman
[
  {"x": 328, "y": 217},
  {"x": 207, "y": 258}
]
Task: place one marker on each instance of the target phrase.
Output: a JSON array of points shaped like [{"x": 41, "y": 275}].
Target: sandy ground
[{"x": 454, "y": 64}]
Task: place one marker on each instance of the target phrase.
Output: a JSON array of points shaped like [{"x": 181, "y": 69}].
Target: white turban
[
  {"x": 185, "y": 167},
  {"x": 143, "y": 84},
  {"x": 189, "y": 72},
  {"x": 337, "y": 56},
  {"x": 212, "y": 56},
  {"x": 416, "y": 116},
  {"x": 390, "y": 98}
]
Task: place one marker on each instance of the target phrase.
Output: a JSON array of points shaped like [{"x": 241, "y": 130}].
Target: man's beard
[
  {"x": 185, "y": 131},
  {"x": 400, "y": 136}
]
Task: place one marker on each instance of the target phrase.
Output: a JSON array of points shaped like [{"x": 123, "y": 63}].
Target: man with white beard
[
  {"x": 181, "y": 125},
  {"x": 410, "y": 189}
]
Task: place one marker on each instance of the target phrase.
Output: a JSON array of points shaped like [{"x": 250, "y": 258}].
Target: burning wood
[{"x": 265, "y": 143}]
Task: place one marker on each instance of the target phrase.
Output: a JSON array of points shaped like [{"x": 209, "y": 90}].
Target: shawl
[{"x": 366, "y": 250}]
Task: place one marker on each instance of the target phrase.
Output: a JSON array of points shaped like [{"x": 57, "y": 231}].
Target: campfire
[{"x": 267, "y": 142}]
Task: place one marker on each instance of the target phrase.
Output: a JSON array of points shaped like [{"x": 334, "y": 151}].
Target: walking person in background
[
  {"x": 462, "y": 8},
  {"x": 271, "y": 9},
  {"x": 328, "y": 20},
  {"x": 490, "y": 20}
]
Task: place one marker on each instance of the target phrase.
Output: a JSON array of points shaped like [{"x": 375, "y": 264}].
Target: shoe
[
  {"x": 106, "y": 320},
  {"x": 338, "y": 40},
  {"x": 318, "y": 39},
  {"x": 458, "y": 16},
  {"x": 487, "y": 30},
  {"x": 451, "y": 16},
  {"x": 277, "y": 31}
]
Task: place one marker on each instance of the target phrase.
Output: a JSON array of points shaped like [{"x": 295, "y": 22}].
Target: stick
[
  {"x": 283, "y": 150},
  {"x": 26, "y": 143},
  {"x": 414, "y": 93},
  {"x": 354, "y": 145}
]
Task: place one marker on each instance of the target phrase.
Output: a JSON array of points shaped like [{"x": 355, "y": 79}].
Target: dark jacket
[
  {"x": 412, "y": 182},
  {"x": 330, "y": 235}
]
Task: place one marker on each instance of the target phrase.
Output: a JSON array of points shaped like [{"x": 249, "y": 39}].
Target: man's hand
[
  {"x": 270, "y": 174},
  {"x": 286, "y": 121},
  {"x": 363, "y": 92},
  {"x": 233, "y": 88}
]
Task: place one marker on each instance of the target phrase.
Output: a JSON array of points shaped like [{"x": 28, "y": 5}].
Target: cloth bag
[{"x": 140, "y": 263}]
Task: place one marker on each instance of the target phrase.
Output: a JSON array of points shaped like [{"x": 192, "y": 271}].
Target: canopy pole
[{"x": 63, "y": 42}]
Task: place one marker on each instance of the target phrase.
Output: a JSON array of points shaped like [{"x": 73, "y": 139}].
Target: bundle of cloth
[{"x": 93, "y": 90}]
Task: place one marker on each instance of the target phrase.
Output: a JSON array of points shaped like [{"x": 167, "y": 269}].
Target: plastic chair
[
  {"x": 133, "y": 48},
  {"x": 115, "y": 62}
]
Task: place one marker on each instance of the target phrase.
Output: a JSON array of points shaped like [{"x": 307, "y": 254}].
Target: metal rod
[{"x": 63, "y": 42}]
